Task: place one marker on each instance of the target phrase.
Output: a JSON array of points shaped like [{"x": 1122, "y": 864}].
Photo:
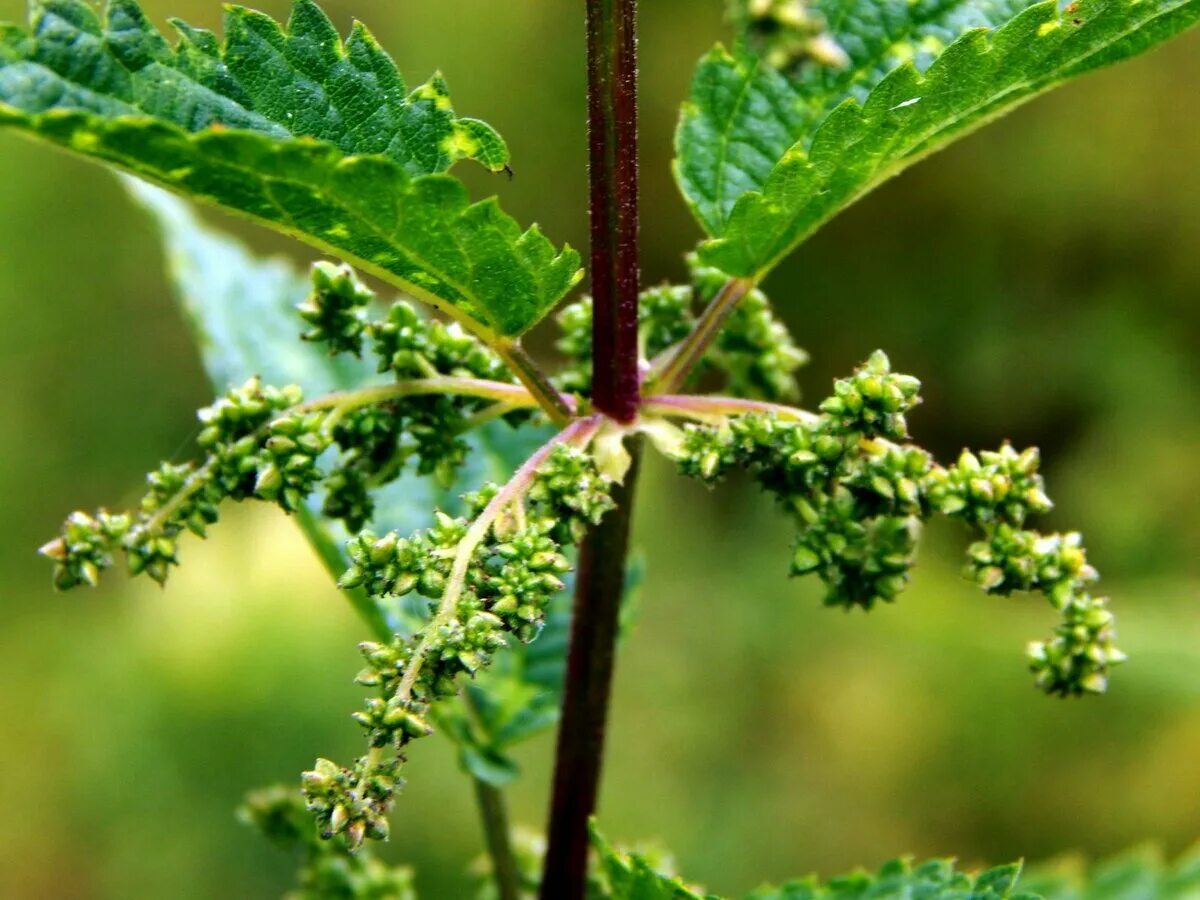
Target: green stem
[
  {"x": 693, "y": 406},
  {"x": 499, "y": 391},
  {"x": 494, "y": 812},
  {"x": 670, "y": 372},
  {"x": 553, "y": 404}
]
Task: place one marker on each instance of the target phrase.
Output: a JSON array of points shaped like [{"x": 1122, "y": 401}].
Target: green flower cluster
[
  {"x": 855, "y": 495},
  {"x": 263, "y": 442},
  {"x": 328, "y": 869},
  {"x": 873, "y": 401},
  {"x": 336, "y": 309},
  {"x": 510, "y": 574},
  {"x": 259, "y": 443},
  {"x": 754, "y": 354},
  {"x": 787, "y": 33},
  {"x": 85, "y": 548},
  {"x": 997, "y": 492},
  {"x": 859, "y": 498},
  {"x": 378, "y": 441}
]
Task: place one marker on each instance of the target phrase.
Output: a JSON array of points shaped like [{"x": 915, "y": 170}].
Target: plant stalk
[
  {"x": 599, "y": 587},
  {"x": 613, "y": 178},
  {"x": 494, "y": 814},
  {"x": 670, "y": 376},
  {"x": 547, "y": 396}
]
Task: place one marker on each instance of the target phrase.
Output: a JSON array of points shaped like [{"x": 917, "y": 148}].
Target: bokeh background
[{"x": 1042, "y": 279}]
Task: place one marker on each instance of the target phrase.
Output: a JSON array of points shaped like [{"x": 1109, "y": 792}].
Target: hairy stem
[
  {"x": 613, "y": 170},
  {"x": 554, "y": 404},
  {"x": 616, "y": 392},
  {"x": 671, "y": 371},
  {"x": 599, "y": 586}
]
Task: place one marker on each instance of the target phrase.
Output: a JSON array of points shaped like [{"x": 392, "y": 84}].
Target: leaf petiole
[{"x": 670, "y": 369}]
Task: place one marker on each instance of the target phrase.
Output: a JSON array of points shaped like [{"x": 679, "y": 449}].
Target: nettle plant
[{"x": 447, "y": 480}]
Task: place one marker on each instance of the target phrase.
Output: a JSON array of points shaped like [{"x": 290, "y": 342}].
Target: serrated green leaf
[
  {"x": 297, "y": 130},
  {"x": 743, "y": 114},
  {"x": 1138, "y": 875},
  {"x": 628, "y": 876},
  {"x": 765, "y": 158}
]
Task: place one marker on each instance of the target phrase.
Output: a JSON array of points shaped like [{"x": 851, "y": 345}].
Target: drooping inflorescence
[
  {"x": 859, "y": 496},
  {"x": 267, "y": 443},
  {"x": 487, "y": 578},
  {"x": 328, "y": 869}
]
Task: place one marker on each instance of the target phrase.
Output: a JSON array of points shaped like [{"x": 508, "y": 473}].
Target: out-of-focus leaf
[{"x": 1138, "y": 875}]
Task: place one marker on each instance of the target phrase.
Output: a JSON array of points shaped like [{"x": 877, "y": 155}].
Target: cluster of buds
[
  {"x": 997, "y": 492},
  {"x": 336, "y": 309},
  {"x": 413, "y": 346},
  {"x": 1077, "y": 658},
  {"x": 85, "y": 548},
  {"x": 509, "y": 579},
  {"x": 1010, "y": 559},
  {"x": 376, "y": 442},
  {"x": 787, "y": 33},
  {"x": 328, "y": 869},
  {"x": 862, "y": 561},
  {"x": 995, "y": 486},
  {"x": 256, "y": 445},
  {"x": 859, "y": 497},
  {"x": 754, "y": 354},
  {"x": 873, "y": 401}
]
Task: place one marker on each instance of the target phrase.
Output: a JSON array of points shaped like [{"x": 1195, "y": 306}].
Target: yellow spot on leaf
[{"x": 459, "y": 144}]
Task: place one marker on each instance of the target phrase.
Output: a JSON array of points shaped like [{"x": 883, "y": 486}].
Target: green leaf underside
[
  {"x": 312, "y": 136},
  {"x": 242, "y": 310},
  {"x": 764, "y": 158}
]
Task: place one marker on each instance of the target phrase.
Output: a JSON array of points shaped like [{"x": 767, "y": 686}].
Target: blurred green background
[{"x": 1041, "y": 278}]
